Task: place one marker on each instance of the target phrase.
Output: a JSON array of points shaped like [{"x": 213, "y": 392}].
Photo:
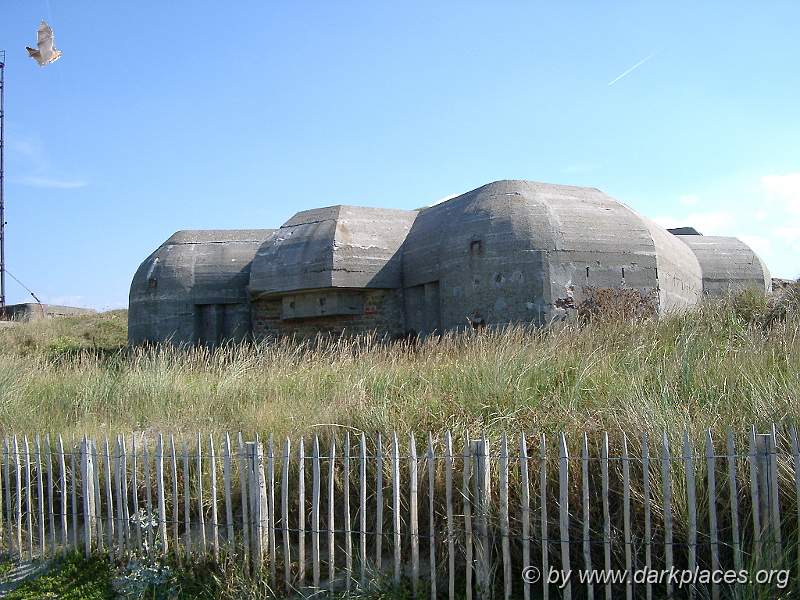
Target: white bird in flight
[{"x": 45, "y": 52}]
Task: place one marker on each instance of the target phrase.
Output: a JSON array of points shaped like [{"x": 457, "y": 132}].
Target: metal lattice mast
[{"x": 2, "y": 199}]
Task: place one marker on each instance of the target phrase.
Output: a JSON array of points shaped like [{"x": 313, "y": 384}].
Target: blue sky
[{"x": 179, "y": 115}]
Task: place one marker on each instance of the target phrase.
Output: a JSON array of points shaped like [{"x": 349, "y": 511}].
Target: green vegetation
[
  {"x": 103, "y": 333},
  {"x": 71, "y": 577},
  {"x": 729, "y": 363}
]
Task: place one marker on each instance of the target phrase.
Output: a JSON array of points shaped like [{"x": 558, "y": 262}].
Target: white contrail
[{"x": 631, "y": 70}]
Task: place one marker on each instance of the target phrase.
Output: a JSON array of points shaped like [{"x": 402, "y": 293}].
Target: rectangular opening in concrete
[{"x": 322, "y": 304}]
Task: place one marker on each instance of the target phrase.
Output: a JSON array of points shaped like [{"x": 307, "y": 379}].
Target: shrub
[
  {"x": 616, "y": 304},
  {"x": 61, "y": 347}
]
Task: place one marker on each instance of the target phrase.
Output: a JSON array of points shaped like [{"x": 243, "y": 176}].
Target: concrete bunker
[
  {"x": 331, "y": 270},
  {"x": 728, "y": 264},
  {"x": 193, "y": 288},
  {"x": 507, "y": 252}
]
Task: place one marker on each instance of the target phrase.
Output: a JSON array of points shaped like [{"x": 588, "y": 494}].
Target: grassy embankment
[
  {"x": 719, "y": 366},
  {"x": 730, "y": 363}
]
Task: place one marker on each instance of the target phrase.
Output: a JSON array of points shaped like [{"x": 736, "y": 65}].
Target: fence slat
[
  {"x": 563, "y": 511},
  {"x": 118, "y": 488},
  {"x": 504, "y": 518},
  {"x": 796, "y": 463},
  {"x": 162, "y": 503},
  {"x": 431, "y": 513},
  {"x": 29, "y": 498},
  {"x": 606, "y": 512},
  {"x": 330, "y": 523},
  {"x": 135, "y": 490},
  {"x": 738, "y": 560},
  {"x": 691, "y": 502},
  {"x": 587, "y": 546},
  {"x": 378, "y": 502},
  {"x": 244, "y": 478},
  {"x": 301, "y": 514},
  {"x": 261, "y": 504},
  {"x": 40, "y": 497},
  {"x": 176, "y": 517},
  {"x": 525, "y": 512},
  {"x": 287, "y": 557},
  {"x": 272, "y": 522},
  {"x": 711, "y": 482},
  {"x": 543, "y": 514},
  {"x": 775, "y": 511},
  {"x": 362, "y": 511},
  {"x": 87, "y": 489},
  {"x": 413, "y": 514},
  {"x": 148, "y": 488},
  {"x": 755, "y": 501},
  {"x": 626, "y": 515},
  {"x": 18, "y": 503},
  {"x": 396, "y": 505},
  {"x": 110, "y": 531},
  {"x": 448, "y": 491},
  {"x": 212, "y": 468},
  {"x": 187, "y": 502},
  {"x": 648, "y": 518},
  {"x": 666, "y": 470},
  {"x": 226, "y": 482},
  {"x": 201, "y": 518},
  {"x": 485, "y": 502},
  {"x": 4, "y": 500},
  {"x": 51, "y": 513},
  {"x": 466, "y": 456},
  {"x": 348, "y": 534},
  {"x": 98, "y": 495},
  {"x": 7, "y": 490},
  {"x": 315, "y": 494}
]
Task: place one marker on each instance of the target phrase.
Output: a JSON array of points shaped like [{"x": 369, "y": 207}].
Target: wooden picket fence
[{"x": 353, "y": 513}]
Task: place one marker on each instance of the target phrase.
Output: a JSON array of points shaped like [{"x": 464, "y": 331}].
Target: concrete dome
[
  {"x": 333, "y": 247},
  {"x": 728, "y": 264},
  {"x": 521, "y": 251},
  {"x": 193, "y": 288}
]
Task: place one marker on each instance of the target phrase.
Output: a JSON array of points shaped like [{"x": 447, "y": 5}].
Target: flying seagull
[{"x": 46, "y": 51}]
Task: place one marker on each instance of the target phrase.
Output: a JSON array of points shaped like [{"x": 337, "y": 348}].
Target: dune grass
[
  {"x": 730, "y": 363},
  {"x": 725, "y": 364}
]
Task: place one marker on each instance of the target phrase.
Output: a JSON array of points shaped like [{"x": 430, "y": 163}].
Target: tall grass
[
  {"x": 730, "y": 363},
  {"x": 717, "y": 366}
]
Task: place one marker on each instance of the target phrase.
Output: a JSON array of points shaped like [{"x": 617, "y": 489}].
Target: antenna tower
[{"x": 2, "y": 199}]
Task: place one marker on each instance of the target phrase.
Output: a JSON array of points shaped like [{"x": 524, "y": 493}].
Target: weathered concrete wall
[
  {"x": 680, "y": 278},
  {"x": 507, "y": 252},
  {"x": 481, "y": 257},
  {"x": 520, "y": 251},
  {"x": 31, "y": 311},
  {"x": 728, "y": 264},
  {"x": 378, "y": 310},
  {"x": 599, "y": 243},
  {"x": 337, "y": 246},
  {"x": 193, "y": 289}
]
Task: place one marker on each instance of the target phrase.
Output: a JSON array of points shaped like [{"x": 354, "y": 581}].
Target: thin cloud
[
  {"x": 783, "y": 188},
  {"x": 631, "y": 70},
  {"x": 50, "y": 183}
]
